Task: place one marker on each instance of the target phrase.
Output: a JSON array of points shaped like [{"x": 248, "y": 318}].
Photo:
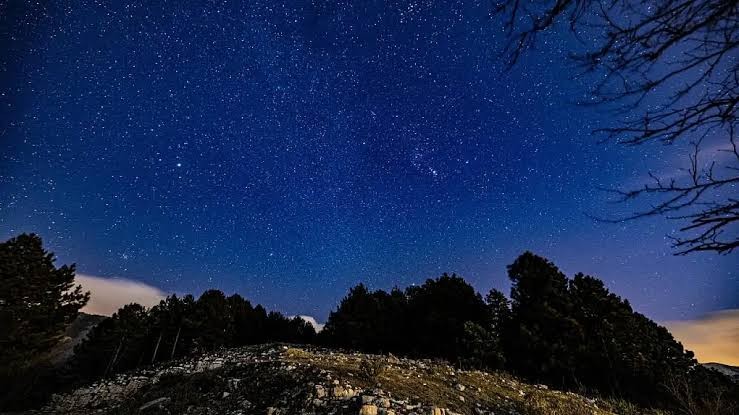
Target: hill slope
[
  {"x": 282, "y": 380},
  {"x": 731, "y": 371},
  {"x": 73, "y": 335}
]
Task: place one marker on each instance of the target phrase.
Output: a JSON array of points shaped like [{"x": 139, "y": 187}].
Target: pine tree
[
  {"x": 354, "y": 323},
  {"x": 37, "y": 302},
  {"x": 438, "y": 311},
  {"x": 116, "y": 344},
  {"x": 213, "y": 320},
  {"x": 544, "y": 341}
]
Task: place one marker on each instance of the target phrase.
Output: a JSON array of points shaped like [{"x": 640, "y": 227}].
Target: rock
[
  {"x": 256, "y": 374},
  {"x": 233, "y": 384},
  {"x": 154, "y": 404},
  {"x": 341, "y": 392},
  {"x": 368, "y": 410}
]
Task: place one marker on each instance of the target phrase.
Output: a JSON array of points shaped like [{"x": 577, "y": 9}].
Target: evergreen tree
[
  {"x": 37, "y": 302},
  {"x": 483, "y": 343},
  {"x": 428, "y": 320},
  {"x": 499, "y": 311},
  {"x": 544, "y": 340},
  {"x": 481, "y": 347},
  {"x": 246, "y": 330},
  {"x": 355, "y": 322},
  {"x": 171, "y": 327},
  {"x": 392, "y": 325},
  {"x": 214, "y": 320},
  {"x": 438, "y": 311},
  {"x": 116, "y": 344}
]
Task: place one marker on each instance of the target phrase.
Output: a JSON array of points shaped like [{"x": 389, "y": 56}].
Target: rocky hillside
[
  {"x": 73, "y": 335},
  {"x": 286, "y": 380},
  {"x": 731, "y": 371}
]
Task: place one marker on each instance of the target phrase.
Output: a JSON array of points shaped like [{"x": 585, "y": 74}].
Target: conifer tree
[
  {"x": 544, "y": 340},
  {"x": 37, "y": 301}
]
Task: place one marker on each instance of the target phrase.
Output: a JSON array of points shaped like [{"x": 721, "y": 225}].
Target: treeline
[
  {"x": 568, "y": 333},
  {"x": 178, "y": 327},
  {"x": 38, "y": 301}
]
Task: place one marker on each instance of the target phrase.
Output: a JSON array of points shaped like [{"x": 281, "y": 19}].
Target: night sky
[{"x": 288, "y": 152}]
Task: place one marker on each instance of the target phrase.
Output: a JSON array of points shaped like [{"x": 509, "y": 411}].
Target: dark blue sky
[{"x": 288, "y": 152}]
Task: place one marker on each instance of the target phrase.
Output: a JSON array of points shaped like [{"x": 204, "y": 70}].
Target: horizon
[{"x": 711, "y": 336}]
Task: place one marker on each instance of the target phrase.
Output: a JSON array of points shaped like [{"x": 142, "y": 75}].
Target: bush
[{"x": 371, "y": 369}]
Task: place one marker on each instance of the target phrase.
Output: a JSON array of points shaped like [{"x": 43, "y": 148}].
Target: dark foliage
[
  {"x": 577, "y": 334},
  {"x": 37, "y": 302},
  {"x": 116, "y": 344},
  {"x": 178, "y": 327},
  {"x": 426, "y": 321},
  {"x": 568, "y": 333},
  {"x": 544, "y": 338}
]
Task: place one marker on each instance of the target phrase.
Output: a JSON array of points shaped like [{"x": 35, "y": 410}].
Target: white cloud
[
  {"x": 316, "y": 325},
  {"x": 713, "y": 337},
  {"x": 107, "y": 295}
]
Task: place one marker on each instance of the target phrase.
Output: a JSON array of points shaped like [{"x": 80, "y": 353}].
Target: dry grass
[{"x": 437, "y": 384}]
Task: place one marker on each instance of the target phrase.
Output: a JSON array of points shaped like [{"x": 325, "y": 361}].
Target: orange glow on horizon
[{"x": 713, "y": 338}]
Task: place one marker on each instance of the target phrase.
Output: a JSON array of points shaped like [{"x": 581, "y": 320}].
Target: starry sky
[{"x": 290, "y": 151}]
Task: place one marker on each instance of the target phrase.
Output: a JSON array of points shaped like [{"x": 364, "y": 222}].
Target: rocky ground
[{"x": 286, "y": 380}]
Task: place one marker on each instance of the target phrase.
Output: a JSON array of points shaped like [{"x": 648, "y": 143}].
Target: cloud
[
  {"x": 713, "y": 337},
  {"x": 107, "y": 295},
  {"x": 316, "y": 325}
]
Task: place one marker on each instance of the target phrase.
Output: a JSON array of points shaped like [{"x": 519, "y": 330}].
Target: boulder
[{"x": 368, "y": 409}]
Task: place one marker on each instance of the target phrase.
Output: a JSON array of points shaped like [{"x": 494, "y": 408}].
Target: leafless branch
[{"x": 669, "y": 70}]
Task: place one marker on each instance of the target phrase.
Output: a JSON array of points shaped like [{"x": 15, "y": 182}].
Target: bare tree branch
[{"x": 669, "y": 70}]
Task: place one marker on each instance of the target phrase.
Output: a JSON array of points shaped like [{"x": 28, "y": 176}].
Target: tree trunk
[
  {"x": 115, "y": 357},
  {"x": 174, "y": 346},
  {"x": 156, "y": 348}
]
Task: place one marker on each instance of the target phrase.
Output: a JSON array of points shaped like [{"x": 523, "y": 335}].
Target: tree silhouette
[
  {"x": 668, "y": 70},
  {"x": 180, "y": 327},
  {"x": 437, "y": 312},
  {"x": 116, "y": 344},
  {"x": 356, "y": 322},
  {"x": 214, "y": 320},
  {"x": 37, "y": 302},
  {"x": 544, "y": 340}
]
